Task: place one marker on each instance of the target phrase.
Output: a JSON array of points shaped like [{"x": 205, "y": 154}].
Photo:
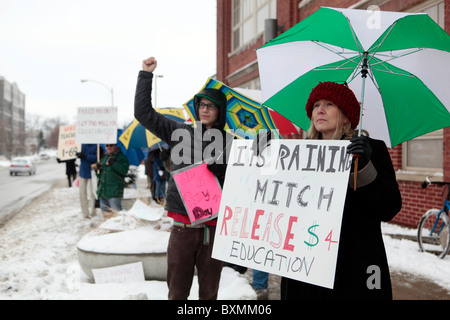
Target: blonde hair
[{"x": 343, "y": 130}]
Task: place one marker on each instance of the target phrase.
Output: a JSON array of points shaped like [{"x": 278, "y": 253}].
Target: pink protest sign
[{"x": 200, "y": 192}]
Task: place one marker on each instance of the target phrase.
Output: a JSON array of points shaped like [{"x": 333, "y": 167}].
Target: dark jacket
[
  {"x": 195, "y": 143},
  {"x": 90, "y": 152},
  {"x": 112, "y": 177},
  {"x": 71, "y": 167},
  {"x": 158, "y": 166},
  {"x": 361, "y": 256}
]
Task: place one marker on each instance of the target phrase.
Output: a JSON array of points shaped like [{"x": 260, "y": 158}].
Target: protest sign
[
  {"x": 97, "y": 125},
  {"x": 281, "y": 212},
  {"x": 67, "y": 146},
  {"x": 127, "y": 273},
  {"x": 200, "y": 192}
]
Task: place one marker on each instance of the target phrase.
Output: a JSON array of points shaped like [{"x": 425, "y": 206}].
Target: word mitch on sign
[{"x": 281, "y": 211}]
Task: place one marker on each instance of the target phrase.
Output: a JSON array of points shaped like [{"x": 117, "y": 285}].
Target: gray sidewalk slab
[{"x": 404, "y": 287}]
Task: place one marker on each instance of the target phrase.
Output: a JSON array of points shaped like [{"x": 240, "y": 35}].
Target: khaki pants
[
  {"x": 186, "y": 250},
  {"x": 87, "y": 197}
]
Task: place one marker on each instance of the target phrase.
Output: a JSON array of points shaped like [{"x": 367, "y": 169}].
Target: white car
[
  {"x": 22, "y": 165},
  {"x": 44, "y": 156}
]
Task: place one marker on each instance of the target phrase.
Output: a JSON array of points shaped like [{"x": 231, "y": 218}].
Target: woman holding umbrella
[{"x": 362, "y": 270}]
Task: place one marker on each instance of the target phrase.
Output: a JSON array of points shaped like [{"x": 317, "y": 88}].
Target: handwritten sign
[
  {"x": 200, "y": 192},
  {"x": 127, "y": 273},
  {"x": 67, "y": 146},
  {"x": 97, "y": 125},
  {"x": 281, "y": 212}
]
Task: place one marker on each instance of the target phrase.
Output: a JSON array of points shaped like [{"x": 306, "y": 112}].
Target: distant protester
[
  {"x": 88, "y": 157},
  {"x": 71, "y": 170},
  {"x": 111, "y": 172}
]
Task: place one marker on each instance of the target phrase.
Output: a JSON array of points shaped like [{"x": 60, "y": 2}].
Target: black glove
[
  {"x": 81, "y": 155},
  {"x": 360, "y": 148},
  {"x": 218, "y": 169},
  {"x": 97, "y": 166}
]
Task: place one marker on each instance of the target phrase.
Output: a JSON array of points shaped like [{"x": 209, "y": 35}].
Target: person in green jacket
[{"x": 111, "y": 172}]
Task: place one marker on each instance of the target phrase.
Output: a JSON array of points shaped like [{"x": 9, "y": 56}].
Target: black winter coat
[
  {"x": 362, "y": 270},
  {"x": 163, "y": 127}
]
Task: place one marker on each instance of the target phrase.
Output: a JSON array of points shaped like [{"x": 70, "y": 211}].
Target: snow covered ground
[
  {"x": 38, "y": 257},
  {"x": 404, "y": 256}
]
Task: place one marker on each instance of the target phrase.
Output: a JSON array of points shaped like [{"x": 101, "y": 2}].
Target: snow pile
[
  {"x": 141, "y": 240},
  {"x": 143, "y": 229},
  {"x": 38, "y": 248},
  {"x": 39, "y": 255},
  {"x": 5, "y": 163}
]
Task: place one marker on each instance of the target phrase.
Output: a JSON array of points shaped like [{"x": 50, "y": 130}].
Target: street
[{"x": 17, "y": 191}]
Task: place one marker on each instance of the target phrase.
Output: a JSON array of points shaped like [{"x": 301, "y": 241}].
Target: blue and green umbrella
[
  {"x": 245, "y": 117},
  {"x": 134, "y": 155}
]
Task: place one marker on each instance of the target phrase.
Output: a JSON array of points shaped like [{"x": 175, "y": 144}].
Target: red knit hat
[{"x": 341, "y": 95}]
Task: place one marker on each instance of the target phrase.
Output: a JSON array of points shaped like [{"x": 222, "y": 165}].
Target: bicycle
[{"x": 434, "y": 228}]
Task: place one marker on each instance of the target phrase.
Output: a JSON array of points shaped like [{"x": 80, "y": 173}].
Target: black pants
[
  {"x": 71, "y": 178},
  {"x": 186, "y": 250}
]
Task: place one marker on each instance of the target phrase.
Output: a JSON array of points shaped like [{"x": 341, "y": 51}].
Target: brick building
[{"x": 245, "y": 25}]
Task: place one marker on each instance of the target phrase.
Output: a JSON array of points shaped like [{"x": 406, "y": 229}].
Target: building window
[
  {"x": 253, "y": 84},
  {"x": 425, "y": 153},
  {"x": 248, "y": 20},
  {"x": 436, "y": 12}
]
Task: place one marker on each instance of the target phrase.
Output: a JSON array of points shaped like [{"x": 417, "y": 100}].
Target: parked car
[
  {"x": 44, "y": 156},
  {"x": 22, "y": 165}
]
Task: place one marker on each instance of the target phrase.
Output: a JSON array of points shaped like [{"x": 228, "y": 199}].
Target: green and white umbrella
[{"x": 396, "y": 63}]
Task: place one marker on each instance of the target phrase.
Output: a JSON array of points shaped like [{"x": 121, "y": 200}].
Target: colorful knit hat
[{"x": 341, "y": 95}]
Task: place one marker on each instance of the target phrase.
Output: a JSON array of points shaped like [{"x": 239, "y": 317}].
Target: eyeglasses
[
  {"x": 109, "y": 145},
  {"x": 209, "y": 106}
]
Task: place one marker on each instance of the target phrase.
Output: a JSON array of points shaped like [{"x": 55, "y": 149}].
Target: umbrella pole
[{"x": 364, "y": 72}]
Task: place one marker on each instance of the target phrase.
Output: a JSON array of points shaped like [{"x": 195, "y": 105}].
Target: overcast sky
[{"x": 48, "y": 46}]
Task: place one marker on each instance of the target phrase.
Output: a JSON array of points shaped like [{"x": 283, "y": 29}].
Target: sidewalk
[
  {"x": 404, "y": 287},
  {"x": 407, "y": 287}
]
